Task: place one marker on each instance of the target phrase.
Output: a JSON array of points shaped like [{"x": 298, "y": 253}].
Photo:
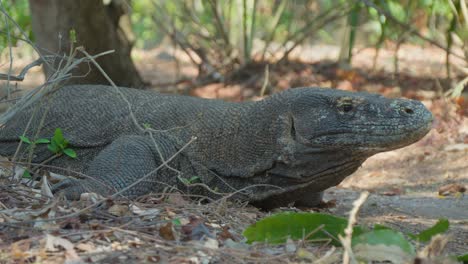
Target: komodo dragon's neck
[{"x": 241, "y": 139}]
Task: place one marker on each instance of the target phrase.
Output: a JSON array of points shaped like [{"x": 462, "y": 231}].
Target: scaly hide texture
[{"x": 289, "y": 147}]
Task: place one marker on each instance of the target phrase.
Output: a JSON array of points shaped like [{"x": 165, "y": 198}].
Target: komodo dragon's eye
[
  {"x": 347, "y": 107},
  {"x": 345, "y": 104}
]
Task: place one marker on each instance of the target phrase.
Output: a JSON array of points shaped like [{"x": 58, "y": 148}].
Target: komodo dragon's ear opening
[{"x": 292, "y": 129}]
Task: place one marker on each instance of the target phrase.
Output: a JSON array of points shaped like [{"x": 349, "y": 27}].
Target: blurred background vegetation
[{"x": 223, "y": 36}]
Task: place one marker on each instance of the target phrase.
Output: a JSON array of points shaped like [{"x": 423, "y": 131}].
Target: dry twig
[{"x": 346, "y": 241}]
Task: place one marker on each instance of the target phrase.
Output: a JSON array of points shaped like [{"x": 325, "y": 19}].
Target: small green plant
[
  {"x": 35, "y": 142},
  {"x": 59, "y": 145},
  {"x": 26, "y": 174},
  {"x": 73, "y": 35},
  {"x": 192, "y": 180},
  {"x": 31, "y": 146},
  {"x": 176, "y": 222},
  {"x": 317, "y": 227}
]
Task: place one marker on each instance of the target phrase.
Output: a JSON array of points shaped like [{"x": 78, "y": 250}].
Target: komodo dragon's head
[
  {"x": 330, "y": 133},
  {"x": 366, "y": 123}
]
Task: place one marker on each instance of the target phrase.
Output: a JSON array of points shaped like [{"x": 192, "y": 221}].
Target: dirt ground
[{"x": 411, "y": 188}]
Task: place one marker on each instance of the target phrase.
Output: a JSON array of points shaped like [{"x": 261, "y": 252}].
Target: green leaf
[
  {"x": 58, "y": 137},
  {"x": 53, "y": 147},
  {"x": 25, "y": 139},
  {"x": 385, "y": 237},
  {"x": 440, "y": 227},
  {"x": 27, "y": 174},
  {"x": 277, "y": 228},
  {"x": 42, "y": 141},
  {"x": 193, "y": 179},
  {"x": 73, "y": 35},
  {"x": 64, "y": 144},
  {"x": 463, "y": 258},
  {"x": 176, "y": 222},
  {"x": 70, "y": 152}
]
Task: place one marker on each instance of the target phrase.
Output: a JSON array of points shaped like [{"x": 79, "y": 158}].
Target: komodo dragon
[{"x": 289, "y": 147}]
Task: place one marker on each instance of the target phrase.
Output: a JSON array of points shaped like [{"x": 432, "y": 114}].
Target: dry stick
[
  {"x": 271, "y": 30},
  {"x": 266, "y": 80},
  {"x": 305, "y": 29},
  {"x": 164, "y": 163},
  {"x": 220, "y": 25},
  {"x": 25, "y": 36},
  {"x": 20, "y": 77},
  {"x": 200, "y": 31},
  {"x": 24, "y": 133},
  {"x": 306, "y": 33},
  {"x": 179, "y": 172},
  {"x": 410, "y": 29},
  {"x": 182, "y": 43},
  {"x": 129, "y": 106},
  {"x": 346, "y": 241},
  {"x": 38, "y": 92},
  {"x": 10, "y": 68},
  {"x": 186, "y": 46}
]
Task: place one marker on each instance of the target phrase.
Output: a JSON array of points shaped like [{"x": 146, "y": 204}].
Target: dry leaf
[
  {"x": 19, "y": 250},
  {"x": 225, "y": 234},
  {"x": 90, "y": 198},
  {"x": 196, "y": 229},
  {"x": 381, "y": 253},
  {"x": 6, "y": 167},
  {"x": 167, "y": 232},
  {"x": 45, "y": 188},
  {"x": 303, "y": 253},
  {"x": 450, "y": 189},
  {"x": 152, "y": 212},
  {"x": 55, "y": 244},
  {"x": 435, "y": 247},
  {"x": 118, "y": 210},
  {"x": 176, "y": 199},
  {"x": 211, "y": 243},
  {"x": 392, "y": 192},
  {"x": 86, "y": 247}
]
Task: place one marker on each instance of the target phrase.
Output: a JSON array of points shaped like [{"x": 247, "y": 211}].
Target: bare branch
[
  {"x": 410, "y": 29},
  {"x": 20, "y": 77}
]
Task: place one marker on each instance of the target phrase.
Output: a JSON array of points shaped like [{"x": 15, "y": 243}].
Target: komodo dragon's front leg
[{"x": 119, "y": 165}]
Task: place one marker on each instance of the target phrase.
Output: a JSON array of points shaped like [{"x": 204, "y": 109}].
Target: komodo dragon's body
[{"x": 289, "y": 147}]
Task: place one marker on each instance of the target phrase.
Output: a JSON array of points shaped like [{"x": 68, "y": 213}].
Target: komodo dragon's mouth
[{"x": 374, "y": 138}]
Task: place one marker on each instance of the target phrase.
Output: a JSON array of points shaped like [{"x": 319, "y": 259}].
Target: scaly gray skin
[{"x": 289, "y": 147}]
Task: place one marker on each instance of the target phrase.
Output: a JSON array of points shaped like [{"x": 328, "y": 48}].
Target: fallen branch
[{"x": 20, "y": 77}]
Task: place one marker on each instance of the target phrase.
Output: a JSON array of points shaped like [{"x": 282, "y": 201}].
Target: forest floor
[{"x": 411, "y": 188}]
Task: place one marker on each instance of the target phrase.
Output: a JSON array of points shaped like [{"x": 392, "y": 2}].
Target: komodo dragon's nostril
[{"x": 408, "y": 110}]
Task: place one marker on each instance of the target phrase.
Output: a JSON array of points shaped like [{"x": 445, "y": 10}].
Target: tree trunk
[{"x": 98, "y": 28}]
